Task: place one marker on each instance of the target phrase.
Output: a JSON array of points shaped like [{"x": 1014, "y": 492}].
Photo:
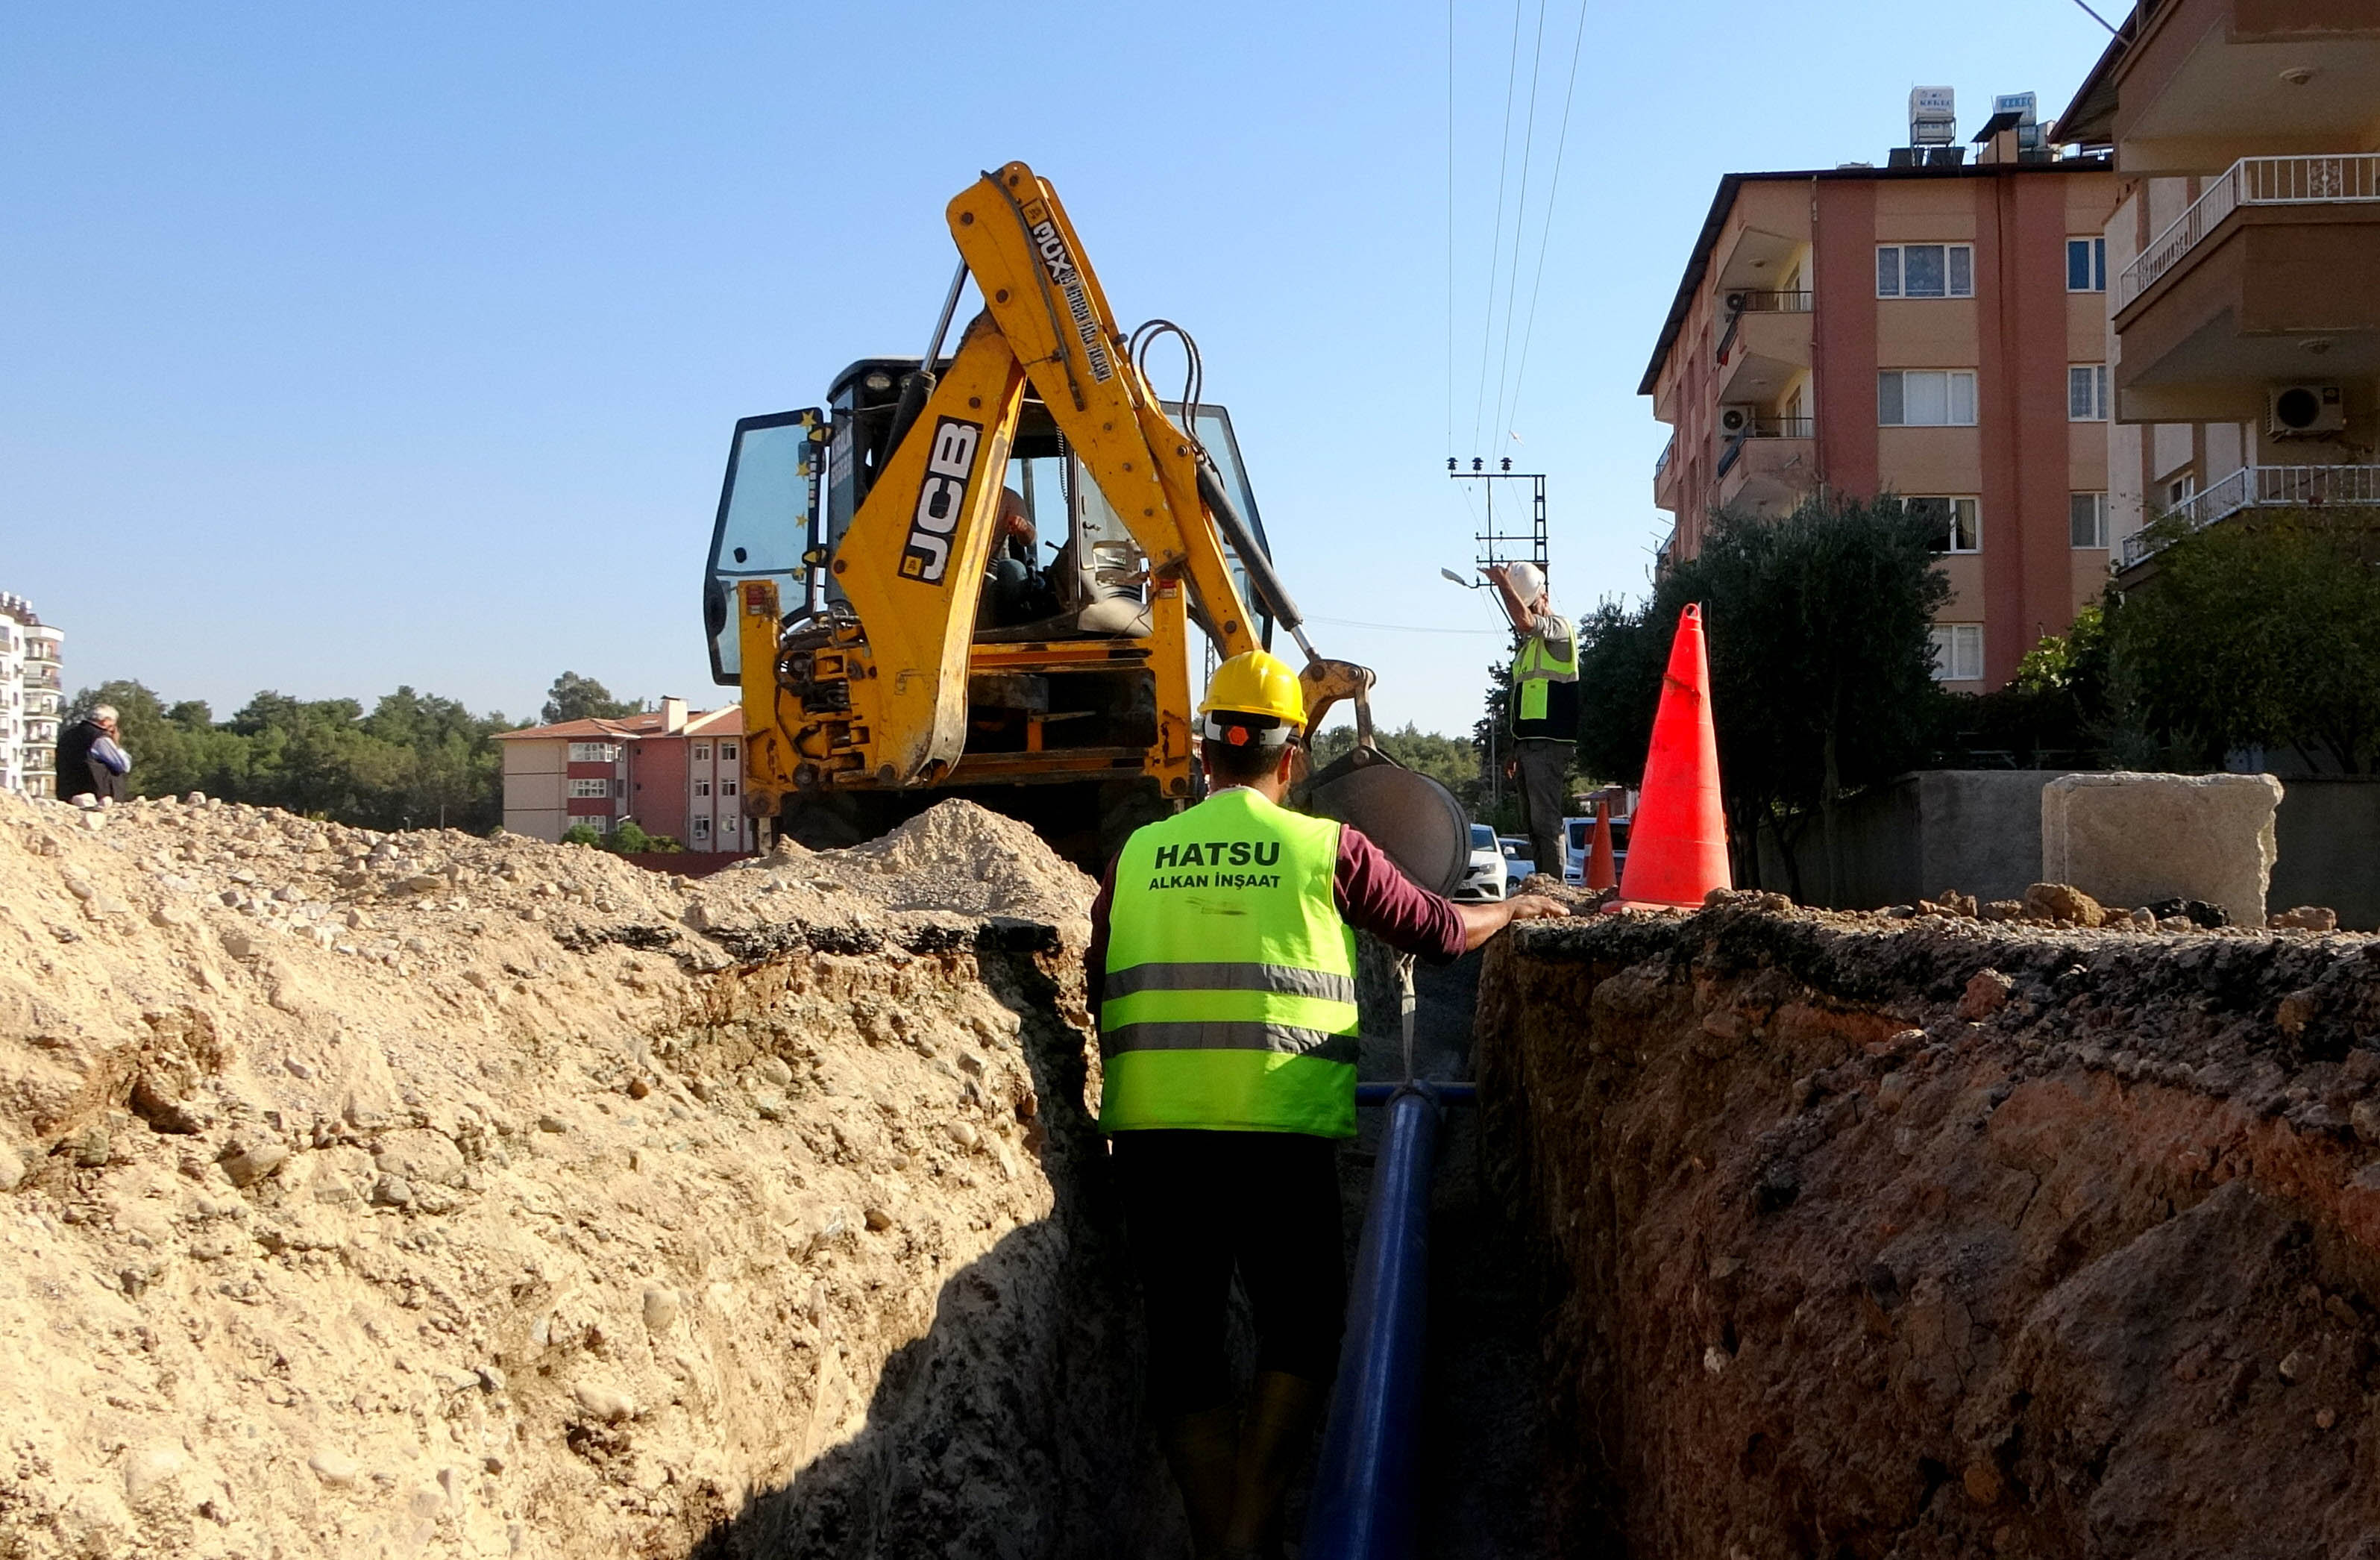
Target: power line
[
  {"x": 1496, "y": 254},
  {"x": 1521, "y": 213},
  {"x": 1545, "y": 234}
]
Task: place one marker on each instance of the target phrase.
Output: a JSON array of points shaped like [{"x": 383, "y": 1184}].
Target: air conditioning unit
[
  {"x": 1734, "y": 421},
  {"x": 1736, "y": 301},
  {"x": 2293, "y": 410}
]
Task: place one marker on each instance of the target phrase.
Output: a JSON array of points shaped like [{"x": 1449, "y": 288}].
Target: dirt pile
[
  {"x": 1934, "y": 1237},
  {"x": 421, "y": 1194}
]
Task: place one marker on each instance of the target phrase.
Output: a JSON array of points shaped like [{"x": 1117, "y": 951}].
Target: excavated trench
[
  {"x": 1776, "y": 1234},
  {"x": 485, "y": 1198}
]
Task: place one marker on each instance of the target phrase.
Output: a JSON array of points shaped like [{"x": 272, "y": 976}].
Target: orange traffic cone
[
  {"x": 1600, "y": 873},
  {"x": 1677, "y": 847}
]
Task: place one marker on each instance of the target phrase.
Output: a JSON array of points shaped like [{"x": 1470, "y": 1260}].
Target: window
[
  {"x": 593, "y": 752},
  {"x": 702, "y": 787},
  {"x": 2086, "y": 393},
  {"x": 2087, "y": 519},
  {"x": 2182, "y": 489},
  {"x": 727, "y": 752},
  {"x": 590, "y": 788},
  {"x": 702, "y": 828},
  {"x": 727, "y": 787},
  {"x": 702, "y": 753},
  {"x": 1926, "y": 398},
  {"x": 1924, "y": 271},
  {"x": 2086, "y": 265},
  {"x": 1958, "y": 653},
  {"x": 1955, "y": 527}
]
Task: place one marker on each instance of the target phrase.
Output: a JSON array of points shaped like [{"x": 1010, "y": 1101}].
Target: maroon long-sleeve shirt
[{"x": 1371, "y": 894}]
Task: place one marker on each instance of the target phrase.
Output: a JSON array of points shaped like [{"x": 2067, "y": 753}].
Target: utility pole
[{"x": 1496, "y": 546}]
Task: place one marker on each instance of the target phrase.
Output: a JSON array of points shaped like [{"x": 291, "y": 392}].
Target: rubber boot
[
  {"x": 1273, "y": 1444},
  {"x": 1203, "y": 1451}
]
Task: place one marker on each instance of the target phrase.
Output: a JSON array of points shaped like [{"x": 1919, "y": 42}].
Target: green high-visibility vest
[
  {"x": 1536, "y": 669},
  {"x": 1230, "y": 999}
]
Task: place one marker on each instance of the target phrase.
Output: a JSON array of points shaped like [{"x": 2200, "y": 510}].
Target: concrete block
[{"x": 2128, "y": 839}]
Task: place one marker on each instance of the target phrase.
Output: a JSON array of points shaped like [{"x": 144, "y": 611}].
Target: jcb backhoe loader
[{"x": 975, "y": 576}]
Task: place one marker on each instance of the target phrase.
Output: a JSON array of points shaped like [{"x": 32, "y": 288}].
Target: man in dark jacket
[{"x": 91, "y": 762}]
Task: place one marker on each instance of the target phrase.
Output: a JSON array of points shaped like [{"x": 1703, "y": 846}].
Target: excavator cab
[{"x": 1070, "y": 568}]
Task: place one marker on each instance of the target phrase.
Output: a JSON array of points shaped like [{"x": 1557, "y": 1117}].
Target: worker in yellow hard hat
[{"x": 1222, "y": 970}]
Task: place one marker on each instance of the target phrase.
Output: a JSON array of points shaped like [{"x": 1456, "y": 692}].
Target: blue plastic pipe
[
  {"x": 1445, "y": 1094},
  {"x": 1363, "y": 1506}
]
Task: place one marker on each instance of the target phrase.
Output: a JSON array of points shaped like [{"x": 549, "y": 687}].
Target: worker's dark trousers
[
  {"x": 1543, "y": 763},
  {"x": 1198, "y": 1205}
]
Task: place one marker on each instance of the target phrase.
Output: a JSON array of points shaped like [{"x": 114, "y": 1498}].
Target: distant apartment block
[
  {"x": 30, "y": 699},
  {"x": 2243, "y": 258},
  {"x": 1934, "y": 328},
  {"x": 674, "y": 773}
]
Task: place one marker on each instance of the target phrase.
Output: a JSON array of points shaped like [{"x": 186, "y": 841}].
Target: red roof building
[{"x": 673, "y": 771}]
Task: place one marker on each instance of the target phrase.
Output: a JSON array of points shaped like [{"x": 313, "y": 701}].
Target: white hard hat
[{"x": 1528, "y": 583}]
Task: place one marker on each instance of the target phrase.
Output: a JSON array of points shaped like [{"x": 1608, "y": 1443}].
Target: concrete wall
[
  {"x": 1975, "y": 830},
  {"x": 1979, "y": 831},
  {"x": 2330, "y": 849}
]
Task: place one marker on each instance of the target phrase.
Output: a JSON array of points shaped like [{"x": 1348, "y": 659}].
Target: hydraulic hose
[{"x": 1272, "y": 594}]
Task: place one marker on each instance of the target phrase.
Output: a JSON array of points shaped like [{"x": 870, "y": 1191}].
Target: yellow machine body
[{"x": 886, "y": 690}]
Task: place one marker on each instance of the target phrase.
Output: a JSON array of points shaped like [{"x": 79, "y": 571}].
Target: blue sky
[{"x": 346, "y": 348}]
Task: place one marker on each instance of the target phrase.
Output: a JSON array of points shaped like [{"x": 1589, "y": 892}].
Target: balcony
[
  {"x": 1765, "y": 468},
  {"x": 1764, "y": 343},
  {"x": 2250, "y": 181},
  {"x": 2272, "y": 277},
  {"x": 1665, "y": 487},
  {"x": 2257, "y": 487}
]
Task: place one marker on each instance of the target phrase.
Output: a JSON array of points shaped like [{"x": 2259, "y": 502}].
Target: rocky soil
[
  {"x": 1933, "y": 1236},
  {"x": 422, "y": 1194}
]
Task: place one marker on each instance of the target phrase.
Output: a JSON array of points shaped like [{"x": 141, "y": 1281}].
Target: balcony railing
[
  {"x": 1740, "y": 301},
  {"x": 1764, "y": 428},
  {"x": 2256, "y": 487},
  {"x": 2250, "y": 181},
  {"x": 1661, "y": 461}
]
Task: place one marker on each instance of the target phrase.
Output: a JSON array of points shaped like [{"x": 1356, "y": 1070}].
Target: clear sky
[{"x": 350, "y": 347}]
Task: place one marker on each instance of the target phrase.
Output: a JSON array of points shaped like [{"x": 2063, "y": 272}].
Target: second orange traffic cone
[
  {"x": 1677, "y": 847},
  {"x": 1600, "y": 873}
]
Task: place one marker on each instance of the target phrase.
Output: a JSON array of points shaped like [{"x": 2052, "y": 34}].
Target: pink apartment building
[{"x": 674, "y": 772}]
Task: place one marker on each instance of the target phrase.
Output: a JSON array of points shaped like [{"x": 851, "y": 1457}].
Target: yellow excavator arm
[{"x": 880, "y": 699}]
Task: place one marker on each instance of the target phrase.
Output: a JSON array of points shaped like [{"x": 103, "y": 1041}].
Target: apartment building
[
  {"x": 31, "y": 698},
  {"x": 2244, "y": 255},
  {"x": 674, "y": 773},
  {"x": 1935, "y": 328}
]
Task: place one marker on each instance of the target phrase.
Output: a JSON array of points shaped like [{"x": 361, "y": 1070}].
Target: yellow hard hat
[{"x": 1256, "y": 684}]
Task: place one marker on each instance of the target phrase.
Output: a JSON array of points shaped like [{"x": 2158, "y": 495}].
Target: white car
[
  {"x": 1485, "y": 878},
  {"x": 1519, "y": 861}
]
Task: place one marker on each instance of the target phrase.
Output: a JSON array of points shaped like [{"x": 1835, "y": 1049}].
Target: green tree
[
  {"x": 574, "y": 698},
  {"x": 1819, "y": 628},
  {"x": 2261, "y": 634},
  {"x": 416, "y": 761}
]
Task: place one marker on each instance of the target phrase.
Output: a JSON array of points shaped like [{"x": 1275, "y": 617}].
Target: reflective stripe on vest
[
  {"x": 1537, "y": 666},
  {"x": 1229, "y": 988}
]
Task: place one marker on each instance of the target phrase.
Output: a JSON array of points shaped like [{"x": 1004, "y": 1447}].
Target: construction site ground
[{"x": 429, "y": 1195}]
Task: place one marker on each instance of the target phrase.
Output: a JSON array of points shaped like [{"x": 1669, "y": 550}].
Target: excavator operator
[{"x": 1223, "y": 967}]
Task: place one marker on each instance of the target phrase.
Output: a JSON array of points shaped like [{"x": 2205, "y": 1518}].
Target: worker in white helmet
[{"x": 1544, "y": 705}]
